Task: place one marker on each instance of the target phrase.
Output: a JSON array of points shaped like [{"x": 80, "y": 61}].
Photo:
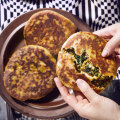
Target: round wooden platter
[{"x": 50, "y": 107}]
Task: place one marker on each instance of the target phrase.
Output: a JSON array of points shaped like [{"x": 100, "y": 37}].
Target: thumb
[
  {"x": 89, "y": 93},
  {"x": 111, "y": 45}
]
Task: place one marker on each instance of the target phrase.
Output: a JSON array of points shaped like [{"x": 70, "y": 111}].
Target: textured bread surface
[
  {"x": 48, "y": 29},
  {"x": 80, "y": 58},
  {"x": 29, "y": 73}
]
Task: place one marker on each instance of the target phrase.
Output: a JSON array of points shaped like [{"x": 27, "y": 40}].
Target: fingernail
[
  {"x": 79, "y": 82},
  {"x": 104, "y": 53},
  {"x": 55, "y": 79}
]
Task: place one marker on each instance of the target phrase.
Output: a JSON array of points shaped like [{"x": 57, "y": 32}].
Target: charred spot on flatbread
[{"x": 29, "y": 73}]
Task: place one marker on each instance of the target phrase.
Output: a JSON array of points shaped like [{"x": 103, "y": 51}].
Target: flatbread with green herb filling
[{"x": 80, "y": 57}]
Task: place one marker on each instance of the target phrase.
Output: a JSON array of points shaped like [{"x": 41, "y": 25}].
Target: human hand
[
  {"x": 112, "y": 34},
  {"x": 89, "y": 104}
]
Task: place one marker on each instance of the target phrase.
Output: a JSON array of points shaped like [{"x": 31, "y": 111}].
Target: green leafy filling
[
  {"x": 78, "y": 59},
  {"x": 89, "y": 68},
  {"x": 102, "y": 81}
]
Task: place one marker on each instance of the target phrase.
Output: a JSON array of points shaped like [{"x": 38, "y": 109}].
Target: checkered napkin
[{"x": 96, "y": 13}]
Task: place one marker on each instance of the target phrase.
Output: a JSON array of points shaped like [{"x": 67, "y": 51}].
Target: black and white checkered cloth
[{"x": 96, "y": 13}]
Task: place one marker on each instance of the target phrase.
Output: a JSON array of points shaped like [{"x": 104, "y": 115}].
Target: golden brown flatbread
[
  {"x": 29, "y": 73},
  {"x": 48, "y": 29},
  {"x": 80, "y": 57}
]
